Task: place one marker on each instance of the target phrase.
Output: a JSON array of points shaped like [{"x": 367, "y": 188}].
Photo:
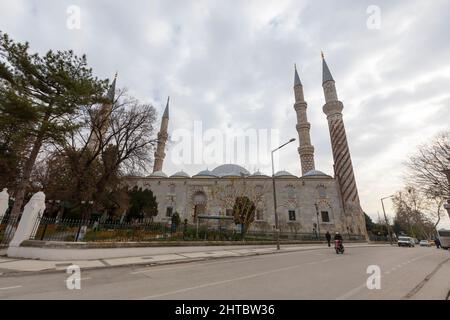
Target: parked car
[
  {"x": 424, "y": 243},
  {"x": 405, "y": 241}
]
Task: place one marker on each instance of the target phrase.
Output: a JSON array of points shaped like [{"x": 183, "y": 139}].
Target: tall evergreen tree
[{"x": 47, "y": 91}]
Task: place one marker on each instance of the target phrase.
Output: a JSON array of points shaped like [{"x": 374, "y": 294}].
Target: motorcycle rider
[{"x": 338, "y": 236}]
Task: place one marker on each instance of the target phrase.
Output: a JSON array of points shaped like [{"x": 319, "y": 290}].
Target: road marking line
[
  {"x": 418, "y": 287},
  {"x": 65, "y": 280},
  {"x": 225, "y": 281},
  {"x": 352, "y": 292},
  {"x": 186, "y": 266},
  {"x": 8, "y": 288},
  {"x": 218, "y": 282}
]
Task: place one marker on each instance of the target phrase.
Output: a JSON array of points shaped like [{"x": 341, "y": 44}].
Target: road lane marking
[
  {"x": 218, "y": 283},
  {"x": 255, "y": 275},
  {"x": 9, "y": 288},
  {"x": 352, "y": 292},
  {"x": 186, "y": 266},
  {"x": 417, "y": 288}
]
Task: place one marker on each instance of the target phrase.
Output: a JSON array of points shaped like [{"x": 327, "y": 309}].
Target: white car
[
  {"x": 424, "y": 243},
  {"x": 405, "y": 241}
]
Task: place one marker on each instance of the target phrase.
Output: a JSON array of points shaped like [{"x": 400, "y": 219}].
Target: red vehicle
[{"x": 338, "y": 246}]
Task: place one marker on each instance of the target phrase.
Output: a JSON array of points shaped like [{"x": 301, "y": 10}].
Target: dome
[
  {"x": 284, "y": 174},
  {"x": 258, "y": 174},
  {"x": 158, "y": 174},
  {"x": 230, "y": 170},
  {"x": 180, "y": 174},
  {"x": 205, "y": 173},
  {"x": 315, "y": 173}
]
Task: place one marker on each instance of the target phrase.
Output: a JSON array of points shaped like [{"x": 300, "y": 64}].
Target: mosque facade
[{"x": 315, "y": 201}]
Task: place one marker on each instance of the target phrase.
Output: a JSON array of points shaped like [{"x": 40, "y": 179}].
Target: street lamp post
[
  {"x": 385, "y": 218},
  {"x": 277, "y": 231}
]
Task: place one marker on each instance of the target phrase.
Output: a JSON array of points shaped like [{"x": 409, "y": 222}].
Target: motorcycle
[{"x": 338, "y": 246}]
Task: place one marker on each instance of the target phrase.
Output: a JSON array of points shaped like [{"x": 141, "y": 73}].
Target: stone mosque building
[{"x": 313, "y": 201}]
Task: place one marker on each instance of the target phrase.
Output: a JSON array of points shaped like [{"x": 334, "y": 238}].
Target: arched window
[
  {"x": 290, "y": 190},
  {"x": 322, "y": 191}
]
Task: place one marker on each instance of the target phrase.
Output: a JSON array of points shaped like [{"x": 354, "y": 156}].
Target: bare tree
[
  {"x": 241, "y": 196},
  {"x": 426, "y": 168},
  {"x": 110, "y": 141},
  {"x": 426, "y": 173}
]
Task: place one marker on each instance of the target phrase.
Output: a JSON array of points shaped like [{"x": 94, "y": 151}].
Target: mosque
[{"x": 315, "y": 200}]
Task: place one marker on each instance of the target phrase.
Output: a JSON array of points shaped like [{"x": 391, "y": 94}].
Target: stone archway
[{"x": 199, "y": 200}]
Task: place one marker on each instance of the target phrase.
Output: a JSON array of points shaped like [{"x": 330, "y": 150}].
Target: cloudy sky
[{"x": 229, "y": 64}]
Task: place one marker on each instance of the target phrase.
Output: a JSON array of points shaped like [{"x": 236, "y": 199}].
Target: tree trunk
[{"x": 23, "y": 184}]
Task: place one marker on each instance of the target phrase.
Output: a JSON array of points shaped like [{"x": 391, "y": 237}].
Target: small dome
[
  {"x": 315, "y": 173},
  {"x": 180, "y": 174},
  {"x": 205, "y": 173},
  {"x": 230, "y": 170},
  {"x": 158, "y": 174},
  {"x": 258, "y": 174},
  {"x": 283, "y": 174}
]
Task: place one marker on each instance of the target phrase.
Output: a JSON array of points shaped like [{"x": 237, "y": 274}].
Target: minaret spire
[
  {"x": 343, "y": 167},
  {"x": 101, "y": 120},
  {"x": 162, "y": 139},
  {"x": 112, "y": 90},
  {"x": 326, "y": 74},
  {"x": 305, "y": 150}
]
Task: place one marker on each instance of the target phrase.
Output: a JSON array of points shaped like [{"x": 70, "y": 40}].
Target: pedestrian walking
[{"x": 328, "y": 237}]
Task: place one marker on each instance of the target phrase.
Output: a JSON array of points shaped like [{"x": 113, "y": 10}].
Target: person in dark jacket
[
  {"x": 338, "y": 236},
  {"x": 328, "y": 237}
]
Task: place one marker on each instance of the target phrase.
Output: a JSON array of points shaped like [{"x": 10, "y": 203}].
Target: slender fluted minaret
[
  {"x": 162, "y": 139},
  {"x": 306, "y": 150},
  {"x": 343, "y": 167},
  {"x": 101, "y": 119}
]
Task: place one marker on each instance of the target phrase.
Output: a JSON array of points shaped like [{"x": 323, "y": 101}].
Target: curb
[{"x": 171, "y": 262}]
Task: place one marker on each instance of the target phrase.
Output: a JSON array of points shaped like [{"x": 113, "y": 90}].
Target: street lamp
[
  {"x": 385, "y": 217},
  {"x": 277, "y": 231}
]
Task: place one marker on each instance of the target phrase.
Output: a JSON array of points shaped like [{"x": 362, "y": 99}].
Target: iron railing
[
  {"x": 51, "y": 229},
  {"x": 8, "y": 226}
]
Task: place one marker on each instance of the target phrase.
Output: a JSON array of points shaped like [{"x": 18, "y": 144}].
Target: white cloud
[{"x": 230, "y": 64}]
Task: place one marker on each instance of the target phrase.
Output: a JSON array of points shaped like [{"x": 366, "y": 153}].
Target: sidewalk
[{"x": 11, "y": 266}]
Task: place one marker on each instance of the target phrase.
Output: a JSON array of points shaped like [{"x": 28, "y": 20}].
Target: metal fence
[
  {"x": 51, "y": 229},
  {"x": 8, "y": 226}
]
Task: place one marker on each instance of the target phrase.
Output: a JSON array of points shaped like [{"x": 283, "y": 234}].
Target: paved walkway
[{"x": 9, "y": 266}]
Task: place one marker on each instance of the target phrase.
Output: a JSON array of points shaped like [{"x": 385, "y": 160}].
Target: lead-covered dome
[
  {"x": 180, "y": 174},
  {"x": 315, "y": 173},
  {"x": 205, "y": 174},
  {"x": 230, "y": 170},
  {"x": 283, "y": 174},
  {"x": 158, "y": 174}
]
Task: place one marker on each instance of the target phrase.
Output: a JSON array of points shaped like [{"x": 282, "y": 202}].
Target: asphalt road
[{"x": 316, "y": 274}]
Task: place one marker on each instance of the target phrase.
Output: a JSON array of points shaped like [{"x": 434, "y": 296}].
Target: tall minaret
[
  {"x": 343, "y": 167},
  {"x": 306, "y": 150},
  {"x": 162, "y": 139},
  {"x": 101, "y": 120}
]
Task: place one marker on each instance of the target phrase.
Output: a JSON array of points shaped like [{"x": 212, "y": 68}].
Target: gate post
[
  {"x": 4, "y": 203},
  {"x": 27, "y": 225}
]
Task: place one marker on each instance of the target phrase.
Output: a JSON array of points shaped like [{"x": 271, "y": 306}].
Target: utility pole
[{"x": 277, "y": 230}]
